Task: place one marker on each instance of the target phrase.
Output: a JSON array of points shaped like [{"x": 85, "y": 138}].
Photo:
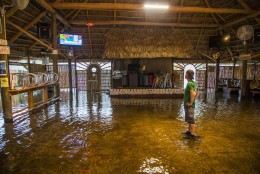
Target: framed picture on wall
[{"x": 2, "y": 68}]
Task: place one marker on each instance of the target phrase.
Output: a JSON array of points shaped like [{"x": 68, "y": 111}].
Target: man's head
[{"x": 189, "y": 74}]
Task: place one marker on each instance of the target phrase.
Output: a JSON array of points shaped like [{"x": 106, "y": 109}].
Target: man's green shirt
[{"x": 191, "y": 85}]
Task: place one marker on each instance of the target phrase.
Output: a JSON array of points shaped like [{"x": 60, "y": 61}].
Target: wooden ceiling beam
[
  {"x": 31, "y": 36},
  {"x": 114, "y": 11},
  {"x": 44, "y": 4},
  {"x": 213, "y": 15},
  {"x": 245, "y": 6},
  {"x": 83, "y": 22},
  {"x": 28, "y": 34},
  {"x": 112, "y": 6},
  {"x": 27, "y": 27},
  {"x": 32, "y": 45},
  {"x": 10, "y": 12},
  {"x": 211, "y": 58},
  {"x": 257, "y": 13},
  {"x": 179, "y": 15},
  {"x": 89, "y": 36}
]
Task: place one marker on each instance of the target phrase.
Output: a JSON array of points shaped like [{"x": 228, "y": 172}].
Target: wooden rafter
[
  {"x": 114, "y": 11},
  {"x": 207, "y": 56},
  {"x": 32, "y": 45},
  {"x": 213, "y": 15},
  {"x": 28, "y": 34},
  {"x": 257, "y": 13},
  {"x": 49, "y": 8},
  {"x": 245, "y": 6},
  {"x": 200, "y": 34},
  {"x": 179, "y": 15},
  {"x": 10, "y": 12},
  {"x": 75, "y": 57},
  {"x": 83, "y": 22},
  {"x": 111, "y": 6},
  {"x": 27, "y": 26},
  {"x": 31, "y": 36},
  {"x": 89, "y": 37}
]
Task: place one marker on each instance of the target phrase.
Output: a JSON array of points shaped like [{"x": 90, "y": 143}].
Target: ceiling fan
[
  {"x": 19, "y": 4},
  {"x": 245, "y": 33}
]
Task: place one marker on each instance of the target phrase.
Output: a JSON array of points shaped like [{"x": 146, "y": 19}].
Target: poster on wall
[{"x": 2, "y": 68}]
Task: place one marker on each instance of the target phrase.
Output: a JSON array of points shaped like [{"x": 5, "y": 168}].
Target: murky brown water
[{"x": 98, "y": 135}]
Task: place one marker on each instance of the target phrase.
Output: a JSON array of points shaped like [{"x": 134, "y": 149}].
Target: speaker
[
  {"x": 43, "y": 31},
  {"x": 214, "y": 41},
  {"x": 133, "y": 67},
  {"x": 257, "y": 36}
]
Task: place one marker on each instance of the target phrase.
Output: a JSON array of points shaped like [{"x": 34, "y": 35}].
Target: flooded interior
[{"x": 93, "y": 133}]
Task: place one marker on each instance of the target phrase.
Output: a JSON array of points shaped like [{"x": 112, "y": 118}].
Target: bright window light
[{"x": 155, "y": 6}]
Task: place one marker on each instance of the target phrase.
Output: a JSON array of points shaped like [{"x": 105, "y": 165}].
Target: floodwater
[{"x": 96, "y": 134}]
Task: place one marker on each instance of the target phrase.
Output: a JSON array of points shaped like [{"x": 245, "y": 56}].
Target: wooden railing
[{"x": 31, "y": 104}]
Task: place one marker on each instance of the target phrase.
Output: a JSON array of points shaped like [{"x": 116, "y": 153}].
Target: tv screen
[{"x": 70, "y": 39}]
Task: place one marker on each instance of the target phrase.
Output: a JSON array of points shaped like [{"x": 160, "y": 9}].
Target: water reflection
[{"x": 93, "y": 133}]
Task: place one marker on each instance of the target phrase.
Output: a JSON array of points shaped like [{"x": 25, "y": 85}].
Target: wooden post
[
  {"x": 70, "y": 75},
  {"x": 172, "y": 73},
  {"x": 111, "y": 74},
  {"x": 5, "y": 80},
  {"x": 217, "y": 74},
  {"x": 55, "y": 56},
  {"x": 206, "y": 75},
  {"x": 243, "y": 83},
  {"x": 234, "y": 65},
  {"x": 45, "y": 95},
  {"x": 76, "y": 74},
  {"x": 30, "y": 99}
]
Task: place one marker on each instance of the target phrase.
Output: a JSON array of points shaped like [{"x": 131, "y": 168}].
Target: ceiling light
[
  {"x": 90, "y": 24},
  {"x": 155, "y": 6}
]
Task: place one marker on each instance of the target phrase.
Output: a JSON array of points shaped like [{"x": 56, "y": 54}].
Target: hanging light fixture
[{"x": 90, "y": 24}]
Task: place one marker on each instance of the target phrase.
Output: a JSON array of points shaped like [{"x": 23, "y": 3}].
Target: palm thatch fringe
[{"x": 147, "y": 43}]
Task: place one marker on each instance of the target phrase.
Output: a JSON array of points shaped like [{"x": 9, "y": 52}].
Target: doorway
[{"x": 93, "y": 78}]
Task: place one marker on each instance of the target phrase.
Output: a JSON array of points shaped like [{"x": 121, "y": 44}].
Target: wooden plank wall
[
  {"x": 37, "y": 68},
  {"x": 151, "y": 65}
]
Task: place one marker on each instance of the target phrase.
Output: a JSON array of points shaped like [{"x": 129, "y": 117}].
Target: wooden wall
[
  {"x": 151, "y": 65},
  {"x": 37, "y": 68}
]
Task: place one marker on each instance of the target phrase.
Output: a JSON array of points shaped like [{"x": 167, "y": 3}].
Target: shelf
[{"x": 31, "y": 88}]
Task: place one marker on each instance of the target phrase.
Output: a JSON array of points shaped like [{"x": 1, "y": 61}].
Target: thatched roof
[
  {"x": 147, "y": 43},
  {"x": 197, "y": 19}
]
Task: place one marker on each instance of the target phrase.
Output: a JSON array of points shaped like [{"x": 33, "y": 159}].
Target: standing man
[{"x": 190, "y": 94}]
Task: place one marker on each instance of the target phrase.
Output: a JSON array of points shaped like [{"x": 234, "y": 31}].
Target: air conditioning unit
[{"x": 245, "y": 57}]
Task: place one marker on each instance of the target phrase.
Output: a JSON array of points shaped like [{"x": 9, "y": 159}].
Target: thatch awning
[{"x": 147, "y": 43}]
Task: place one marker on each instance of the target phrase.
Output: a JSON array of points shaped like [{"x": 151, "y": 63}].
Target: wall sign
[
  {"x": 4, "y": 82},
  {"x": 4, "y": 50}
]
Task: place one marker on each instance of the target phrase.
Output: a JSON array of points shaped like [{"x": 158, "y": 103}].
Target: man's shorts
[{"x": 189, "y": 115}]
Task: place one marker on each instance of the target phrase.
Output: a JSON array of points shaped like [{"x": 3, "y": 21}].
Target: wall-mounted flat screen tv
[{"x": 70, "y": 40}]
